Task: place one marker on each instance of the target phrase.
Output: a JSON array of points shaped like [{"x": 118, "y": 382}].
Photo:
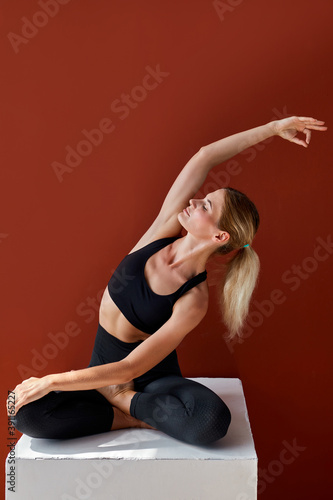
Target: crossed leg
[{"x": 182, "y": 408}]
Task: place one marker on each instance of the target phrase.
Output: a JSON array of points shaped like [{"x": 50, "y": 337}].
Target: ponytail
[
  {"x": 236, "y": 290},
  {"x": 240, "y": 219}
]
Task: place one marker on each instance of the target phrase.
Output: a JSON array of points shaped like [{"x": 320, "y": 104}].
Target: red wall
[{"x": 225, "y": 67}]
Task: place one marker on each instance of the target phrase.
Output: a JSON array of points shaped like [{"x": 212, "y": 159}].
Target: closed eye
[{"x": 205, "y": 207}]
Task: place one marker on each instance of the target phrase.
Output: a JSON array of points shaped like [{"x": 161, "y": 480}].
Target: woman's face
[{"x": 201, "y": 217}]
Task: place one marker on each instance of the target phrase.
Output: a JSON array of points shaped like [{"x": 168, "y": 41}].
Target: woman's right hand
[
  {"x": 288, "y": 128},
  {"x": 29, "y": 390}
]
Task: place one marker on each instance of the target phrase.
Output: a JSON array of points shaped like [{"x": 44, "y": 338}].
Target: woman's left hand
[
  {"x": 287, "y": 128},
  {"x": 29, "y": 390}
]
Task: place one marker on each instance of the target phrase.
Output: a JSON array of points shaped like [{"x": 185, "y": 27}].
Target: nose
[{"x": 192, "y": 203}]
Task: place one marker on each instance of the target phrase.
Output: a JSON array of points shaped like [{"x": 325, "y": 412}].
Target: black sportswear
[
  {"x": 177, "y": 406},
  {"x": 129, "y": 290},
  {"x": 182, "y": 408}
]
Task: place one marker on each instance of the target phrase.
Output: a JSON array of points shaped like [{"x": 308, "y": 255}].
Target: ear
[{"x": 221, "y": 237}]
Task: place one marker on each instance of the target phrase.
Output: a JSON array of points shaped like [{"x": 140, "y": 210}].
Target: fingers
[
  {"x": 299, "y": 141},
  {"x": 27, "y": 392},
  {"x": 307, "y": 135},
  {"x": 312, "y": 123},
  {"x": 316, "y": 127},
  {"x": 287, "y": 128},
  {"x": 305, "y": 125},
  {"x": 11, "y": 404},
  {"x": 15, "y": 400},
  {"x": 13, "y": 407},
  {"x": 308, "y": 118}
]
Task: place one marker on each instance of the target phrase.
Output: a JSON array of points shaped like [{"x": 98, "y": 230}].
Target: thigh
[
  {"x": 182, "y": 408},
  {"x": 196, "y": 398},
  {"x": 178, "y": 385},
  {"x": 63, "y": 415}
]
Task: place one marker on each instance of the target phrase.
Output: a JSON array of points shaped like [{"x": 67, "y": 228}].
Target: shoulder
[
  {"x": 193, "y": 305},
  {"x": 187, "y": 313}
]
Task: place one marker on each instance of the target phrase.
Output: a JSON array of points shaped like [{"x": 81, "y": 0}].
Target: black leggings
[{"x": 181, "y": 408}]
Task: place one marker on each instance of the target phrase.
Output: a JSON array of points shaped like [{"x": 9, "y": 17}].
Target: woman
[{"x": 155, "y": 298}]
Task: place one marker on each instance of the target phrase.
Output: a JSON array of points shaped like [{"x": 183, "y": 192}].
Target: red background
[{"x": 59, "y": 242}]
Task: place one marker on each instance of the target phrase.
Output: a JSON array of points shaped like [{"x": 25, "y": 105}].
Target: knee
[
  {"x": 212, "y": 425},
  {"x": 28, "y": 421},
  {"x": 23, "y": 420},
  {"x": 222, "y": 420}
]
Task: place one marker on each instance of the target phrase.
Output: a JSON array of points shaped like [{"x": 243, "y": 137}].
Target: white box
[{"x": 142, "y": 464}]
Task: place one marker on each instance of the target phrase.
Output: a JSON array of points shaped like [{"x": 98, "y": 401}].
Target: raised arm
[{"x": 193, "y": 175}]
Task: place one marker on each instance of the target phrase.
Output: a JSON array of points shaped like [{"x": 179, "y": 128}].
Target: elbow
[
  {"x": 132, "y": 370},
  {"x": 127, "y": 372},
  {"x": 204, "y": 154}
]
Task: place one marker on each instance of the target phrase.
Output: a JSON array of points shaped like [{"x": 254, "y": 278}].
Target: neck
[{"x": 190, "y": 254}]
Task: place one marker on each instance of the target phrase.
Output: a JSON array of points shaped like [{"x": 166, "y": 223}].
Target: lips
[{"x": 186, "y": 211}]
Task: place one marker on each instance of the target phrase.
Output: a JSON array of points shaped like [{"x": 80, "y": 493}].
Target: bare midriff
[{"x": 115, "y": 323}]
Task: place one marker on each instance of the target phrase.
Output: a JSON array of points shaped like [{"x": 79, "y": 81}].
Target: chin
[{"x": 181, "y": 220}]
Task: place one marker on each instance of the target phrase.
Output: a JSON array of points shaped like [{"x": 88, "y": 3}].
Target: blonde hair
[{"x": 240, "y": 219}]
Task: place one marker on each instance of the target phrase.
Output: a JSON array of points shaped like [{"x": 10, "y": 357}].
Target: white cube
[{"x": 140, "y": 464}]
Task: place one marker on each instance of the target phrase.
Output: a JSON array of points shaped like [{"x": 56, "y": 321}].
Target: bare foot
[
  {"x": 120, "y": 397},
  {"x": 123, "y": 421},
  {"x": 112, "y": 392}
]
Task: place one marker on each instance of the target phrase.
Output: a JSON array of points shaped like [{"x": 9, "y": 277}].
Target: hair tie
[{"x": 247, "y": 245}]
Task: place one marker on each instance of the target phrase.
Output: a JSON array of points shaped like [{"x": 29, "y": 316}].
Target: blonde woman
[{"x": 156, "y": 297}]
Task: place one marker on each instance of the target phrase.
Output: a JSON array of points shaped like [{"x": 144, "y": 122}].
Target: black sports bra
[{"x": 128, "y": 288}]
